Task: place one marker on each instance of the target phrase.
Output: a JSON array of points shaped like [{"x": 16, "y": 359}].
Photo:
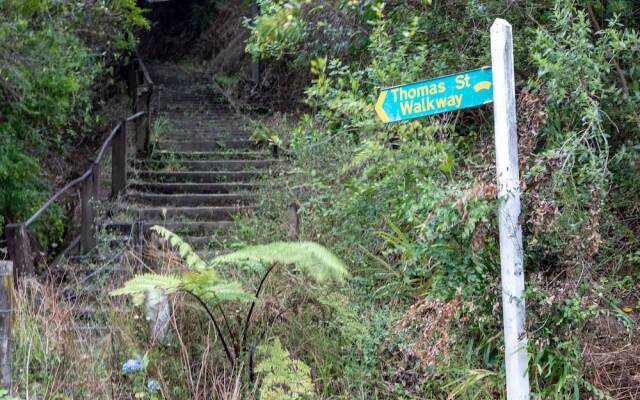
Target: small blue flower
[
  {"x": 132, "y": 366},
  {"x": 153, "y": 385}
]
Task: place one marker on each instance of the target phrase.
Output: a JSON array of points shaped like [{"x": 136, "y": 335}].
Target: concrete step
[
  {"x": 218, "y": 213},
  {"x": 189, "y": 199},
  {"x": 208, "y": 145},
  {"x": 196, "y": 96},
  {"x": 211, "y": 136},
  {"x": 201, "y": 242},
  {"x": 211, "y": 155},
  {"x": 207, "y": 131},
  {"x": 197, "y": 176},
  {"x": 174, "y": 188},
  {"x": 181, "y": 227},
  {"x": 195, "y": 118},
  {"x": 194, "y": 103},
  {"x": 228, "y": 165},
  {"x": 172, "y": 101},
  {"x": 204, "y": 243},
  {"x": 213, "y": 133},
  {"x": 209, "y": 165}
]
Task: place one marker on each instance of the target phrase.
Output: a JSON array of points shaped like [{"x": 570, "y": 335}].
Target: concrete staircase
[{"x": 203, "y": 170}]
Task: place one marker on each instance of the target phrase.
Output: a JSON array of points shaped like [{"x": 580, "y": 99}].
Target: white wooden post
[
  {"x": 511, "y": 263},
  {"x": 6, "y": 303},
  {"x": 157, "y": 314}
]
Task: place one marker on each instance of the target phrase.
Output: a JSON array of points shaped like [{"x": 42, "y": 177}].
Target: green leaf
[
  {"x": 185, "y": 250},
  {"x": 311, "y": 258},
  {"x": 141, "y": 284}
]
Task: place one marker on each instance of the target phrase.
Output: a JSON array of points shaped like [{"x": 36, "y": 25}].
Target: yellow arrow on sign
[
  {"x": 379, "y": 110},
  {"x": 484, "y": 85}
]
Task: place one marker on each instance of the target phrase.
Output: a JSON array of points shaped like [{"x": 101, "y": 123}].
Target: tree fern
[
  {"x": 203, "y": 282},
  {"x": 311, "y": 258}
]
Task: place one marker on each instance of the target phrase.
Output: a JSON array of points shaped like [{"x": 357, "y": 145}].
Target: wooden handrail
[
  {"x": 135, "y": 116},
  {"x": 107, "y": 142},
  {"x": 113, "y": 133},
  {"x": 143, "y": 67},
  {"x": 17, "y": 237},
  {"x": 53, "y": 198}
]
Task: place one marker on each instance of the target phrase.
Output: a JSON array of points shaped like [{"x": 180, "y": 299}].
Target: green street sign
[{"x": 433, "y": 96}]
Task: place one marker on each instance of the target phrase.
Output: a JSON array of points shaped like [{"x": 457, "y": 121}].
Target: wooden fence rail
[{"x": 140, "y": 88}]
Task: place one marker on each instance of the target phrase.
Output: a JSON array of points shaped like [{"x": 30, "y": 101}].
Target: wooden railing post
[
  {"x": 119, "y": 160},
  {"x": 293, "y": 220},
  {"x": 140, "y": 74},
  {"x": 147, "y": 130},
  {"x": 95, "y": 180},
  {"x": 6, "y": 302},
  {"x": 19, "y": 246},
  {"x": 132, "y": 80},
  {"x": 139, "y": 135},
  {"x": 87, "y": 224}
]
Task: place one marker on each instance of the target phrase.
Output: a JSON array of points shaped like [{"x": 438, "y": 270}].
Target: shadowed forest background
[{"x": 408, "y": 207}]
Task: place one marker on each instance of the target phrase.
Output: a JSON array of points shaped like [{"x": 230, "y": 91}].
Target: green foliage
[
  {"x": 412, "y": 204},
  {"x": 283, "y": 378},
  {"x": 184, "y": 249},
  {"x": 276, "y": 29},
  {"x": 138, "y": 286},
  {"x": 205, "y": 283},
  {"x": 310, "y": 258},
  {"x": 5, "y": 395},
  {"x": 475, "y": 384},
  {"x": 51, "y": 53},
  {"x": 199, "y": 279}
]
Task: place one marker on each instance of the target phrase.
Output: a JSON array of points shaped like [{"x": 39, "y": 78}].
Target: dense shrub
[
  {"x": 51, "y": 53},
  {"x": 412, "y": 204}
]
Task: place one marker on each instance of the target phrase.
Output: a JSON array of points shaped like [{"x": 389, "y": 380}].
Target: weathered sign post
[
  {"x": 511, "y": 263},
  {"x": 470, "y": 89}
]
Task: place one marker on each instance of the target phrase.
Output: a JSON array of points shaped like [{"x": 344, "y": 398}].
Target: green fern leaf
[
  {"x": 141, "y": 284},
  {"x": 311, "y": 258},
  {"x": 185, "y": 250},
  {"x": 226, "y": 291}
]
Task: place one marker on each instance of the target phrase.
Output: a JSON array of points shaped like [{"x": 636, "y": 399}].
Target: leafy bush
[
  {"x": 51, "y": 54},
  {"x": 412, "y": 204},
  {"x": 277, "y": 28},
  {"x": 283, "y": 378}
]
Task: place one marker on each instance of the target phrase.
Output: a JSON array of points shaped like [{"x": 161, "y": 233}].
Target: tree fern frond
[
  {"x": 185, "y": 250},
  {"x": 140, "y": 284},
  {"x": 226, "y": 291},
  {"x": 311, "y": 258},
  {"x": 194, "y": 279}
]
